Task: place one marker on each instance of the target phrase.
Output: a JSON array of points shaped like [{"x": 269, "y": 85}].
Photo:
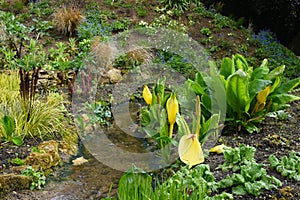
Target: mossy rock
[
  {"x": 13, "y": 182},
  {"x": 47, "y": 157}
]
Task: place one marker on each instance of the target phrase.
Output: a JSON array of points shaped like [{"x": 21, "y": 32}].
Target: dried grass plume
[{"x": 67, "y": 19}]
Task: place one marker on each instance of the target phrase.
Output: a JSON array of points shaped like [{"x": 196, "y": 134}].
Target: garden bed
[{"x": 57, "y": 42}]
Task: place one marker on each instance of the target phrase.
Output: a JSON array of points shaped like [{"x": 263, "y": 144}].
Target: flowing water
[{"x": 91, "y": 180}]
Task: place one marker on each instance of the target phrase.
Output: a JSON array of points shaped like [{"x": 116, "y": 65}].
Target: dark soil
[
  {"x": 278, "y": 137},
  {"x": 9, "y": 152}
]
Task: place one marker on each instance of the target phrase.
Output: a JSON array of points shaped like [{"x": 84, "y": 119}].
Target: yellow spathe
[
  {"x": 190, "y": 151},
  {"x": 172, "y": 109},
  {"x": 261, "y": 99},
  {"x": 147, "y": 95}
]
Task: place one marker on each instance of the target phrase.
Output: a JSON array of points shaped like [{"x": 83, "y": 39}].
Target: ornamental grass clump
[
  {"x": 67, "y": 19},
  {"x": 43, "y": 116}
]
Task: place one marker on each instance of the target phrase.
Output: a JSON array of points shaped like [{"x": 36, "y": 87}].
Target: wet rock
[
  {"x": 13, "y": 182},
  {"x": 68, "y": 147}
]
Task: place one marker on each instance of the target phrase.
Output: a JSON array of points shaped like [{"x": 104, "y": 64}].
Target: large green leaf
[
  {"x": 183, "y": 128},
  {"x": 198, "y": 89},
  {"x": 240, "y": 62},
  {"x": 237, "y": 95},
  {"x": 275, "y": 73},
  {"x": 260, "y": 72},
  {"x": 256, "y": 86},
  {"x": 283, "y": 98},
  {"x": 287, "y": 86},
  {"x": 199, "y": 78},
  {"x": 8, "y": 125},
  {"x": 217, "y": 91},
  {"x": 227, "y": 67}
]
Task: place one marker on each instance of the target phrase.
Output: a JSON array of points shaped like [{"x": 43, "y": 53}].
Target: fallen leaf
[
  {"x": 79, "y": 161},
  {"x": 218, "y": 149}
]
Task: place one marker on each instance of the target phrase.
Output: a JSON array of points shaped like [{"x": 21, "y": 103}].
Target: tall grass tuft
[
  {"x": 67, "y": 19},
  {"x": 43, "y": 118},
  {"x": 9, "y": 86}
]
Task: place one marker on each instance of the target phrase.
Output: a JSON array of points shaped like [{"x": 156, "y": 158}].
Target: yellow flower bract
[
  {"x": 172, "y": 109},
  {"x": 190, "y": 151},
  {"x": 147, "y": 95}
]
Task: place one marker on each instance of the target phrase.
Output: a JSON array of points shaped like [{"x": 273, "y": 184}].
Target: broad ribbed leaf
[
  {"x": 183, "y": 128},
  {"x": 8, "y": 125},
  {"x": 200, "y": 79},
  {"x": 283, "y": 98},
  {"x": 256, "y": 86},
  {"x": 287, "y": 86},
  {"x": 260, "y": 72},
  {"x": 237, "y": 95},
  {"x": 227, "y": 67},
  {"x": 198, "y": 89},
  {"x": 240, "y": 62},
  {"x": 275, "y": 73}
]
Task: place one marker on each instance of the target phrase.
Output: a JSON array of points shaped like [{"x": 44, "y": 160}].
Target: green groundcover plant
[
  {"x": 252, "y": 177},
  {"x": 288, "y": 166},
  {"x": 245, "y": 176},
  {"x": 237, "y": 157},
  {"x": 196, "y": 183},
  {"x": 38, "y": 178}
]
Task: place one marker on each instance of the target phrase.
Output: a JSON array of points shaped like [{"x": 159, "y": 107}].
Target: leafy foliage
[
  {"x": 8, "y": 124},
  {"x": 252, "y": 93},
  {"x": 38, "y": 178},
  {"x": 154, "y": 118},
  {"x": 252, "y": 179},
  {"x": 135, "y": 184},
  {"x": 95, "y": 23},
  {"x": 44, "y": 118},
  {"x": 101, "y": 114},
  {"x": 179, "y": 5},
  {"x": 237, "y": 157},
  {"x": 196, "y": 183},
  {"x": 17, "y": 161},
  {"x": 287, "y": 166},
  {"x": 277, "y": 54}
]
